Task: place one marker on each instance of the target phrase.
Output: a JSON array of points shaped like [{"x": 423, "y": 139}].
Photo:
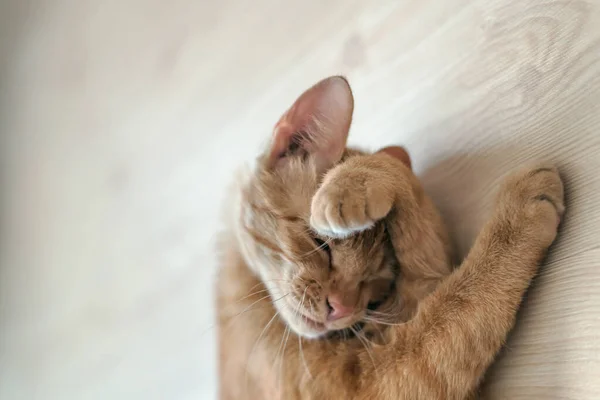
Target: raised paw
[
  {"x": 349, "y": 201},
  {"x": 533, "y": 199}
]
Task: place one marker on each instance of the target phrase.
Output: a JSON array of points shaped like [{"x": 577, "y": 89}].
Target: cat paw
[
  {"x": 349, "y": 201},
  {"x": 533, "y": 199}
]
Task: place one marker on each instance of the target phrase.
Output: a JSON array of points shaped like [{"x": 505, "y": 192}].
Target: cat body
[{"x": 336, "y": 278}]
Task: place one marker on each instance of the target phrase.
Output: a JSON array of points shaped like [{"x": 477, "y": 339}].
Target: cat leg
[
  {"x": 460, "y": 328},
  {"x": 444, "y": 351}
]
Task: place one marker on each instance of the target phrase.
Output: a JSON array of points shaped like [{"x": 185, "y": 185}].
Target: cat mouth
[
  {"x": 319, "y": 326},
  {"x": 307, "y": 321}
]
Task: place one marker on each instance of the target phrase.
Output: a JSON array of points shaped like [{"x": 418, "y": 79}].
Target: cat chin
[
  {"x": 311, "y": 329},
  {"x": 311, "y": 333},
  {"x": 308, "y": 329},
  {"x": 315, "y": 335},
  {"x": 314, "y": 330}
]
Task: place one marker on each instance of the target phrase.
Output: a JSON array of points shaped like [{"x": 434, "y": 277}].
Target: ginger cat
[{"x": 336, "y": 279}]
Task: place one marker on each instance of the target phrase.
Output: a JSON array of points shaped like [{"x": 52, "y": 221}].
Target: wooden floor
[{"x": 121, "y": 123}]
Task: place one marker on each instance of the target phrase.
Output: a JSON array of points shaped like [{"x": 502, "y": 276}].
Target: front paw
[
  {"x": 349, "y": 201},
  {"x": 533, "y": 201}
]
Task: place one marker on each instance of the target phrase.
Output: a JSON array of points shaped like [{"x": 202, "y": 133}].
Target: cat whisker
[
  {"x": 256, "y": 344},
  {"x": 260, "y": 291},
  {"x": 281, "y": 347},
  {"x": 379, "y": 312},
  {"x": 365, "y": 344},
  {"x": 247, "y": 309},
  {"x": 365, "y": 338},
  {"x": 312, "y": 307},
  {"x": 300, "y": 339},
  {"x": 303, "y": 359},
  {"x": 318, "y": 248},
  {"x": 234, "y": 305},
  {"x": 297, "y": 312},
  {"x": 377, "y": 326},
  {"x": 252, "y": 288},
  {"x": 345, "y": 334},
  {"x": 379, "y": 330},
  {"x": 378, "y": 321},
  {"x": 251, "y": 294},
  {"x": 236, "y": 316},
  {"x": 289, "y": 332},
  {"x": 263, "y": 282},
  {"x": 382, "y": 314}
]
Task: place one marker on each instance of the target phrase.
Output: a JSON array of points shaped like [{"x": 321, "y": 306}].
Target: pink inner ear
[
  {"x": 317, "y": 123},
  {"x": 398, "y": 152},
  {"x": 282, "y": 138}
]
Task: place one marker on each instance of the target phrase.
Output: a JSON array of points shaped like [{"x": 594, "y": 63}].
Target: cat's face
[{"x": 317, "y": 284}]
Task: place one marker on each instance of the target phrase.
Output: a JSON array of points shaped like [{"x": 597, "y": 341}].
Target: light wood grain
[{"x": 122, "y": 123}]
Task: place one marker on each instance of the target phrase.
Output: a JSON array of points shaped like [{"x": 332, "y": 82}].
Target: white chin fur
[
  {"x": 313, "y": 335},
  {"x": 307, "y": 332}
]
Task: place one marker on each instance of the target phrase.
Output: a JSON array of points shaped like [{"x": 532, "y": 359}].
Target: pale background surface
[{"x": 122, "y": 122}]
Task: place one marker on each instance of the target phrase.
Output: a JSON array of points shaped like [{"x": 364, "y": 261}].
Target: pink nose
[{"x": 337, "y": 309}]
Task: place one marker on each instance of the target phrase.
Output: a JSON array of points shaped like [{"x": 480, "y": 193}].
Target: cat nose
[{"x": 337, "y": 308}]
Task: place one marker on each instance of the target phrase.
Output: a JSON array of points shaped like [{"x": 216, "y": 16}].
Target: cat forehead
[{"x": 291, "y": 185}]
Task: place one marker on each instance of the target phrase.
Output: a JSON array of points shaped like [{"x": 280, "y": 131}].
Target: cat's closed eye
[{"x": 323, "y": 245}]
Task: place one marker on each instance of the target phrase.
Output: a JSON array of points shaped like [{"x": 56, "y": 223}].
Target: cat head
[{"x": 317, "y": 284}]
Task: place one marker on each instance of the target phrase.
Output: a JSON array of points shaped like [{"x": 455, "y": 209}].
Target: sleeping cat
[{"x": 336, "y": 280}]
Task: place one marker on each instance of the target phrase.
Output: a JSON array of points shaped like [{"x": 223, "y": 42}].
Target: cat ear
[
  {"x": 399, "y": 153},
  {"x": 316, "y": 125}
]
